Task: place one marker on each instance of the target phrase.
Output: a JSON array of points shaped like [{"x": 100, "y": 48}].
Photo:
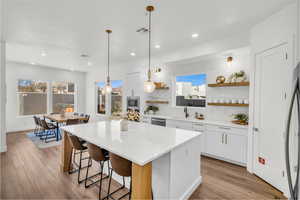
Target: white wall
[
  {"x": 213, "y": 66},
  {"x": 119, "y": 72},
  {"x": 17, "y": 71}
]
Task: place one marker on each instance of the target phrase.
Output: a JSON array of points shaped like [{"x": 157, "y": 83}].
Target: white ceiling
[{"x": 65, "y": 29}]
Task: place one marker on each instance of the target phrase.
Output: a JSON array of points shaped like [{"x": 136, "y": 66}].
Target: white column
[
  {"x": 3, "y": 146},
  {"x": 298, "y": 30}
]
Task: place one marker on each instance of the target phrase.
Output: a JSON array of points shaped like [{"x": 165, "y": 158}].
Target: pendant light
[
  {"x": 149, "y": 86},
  {"x": 108, "y": 87}
]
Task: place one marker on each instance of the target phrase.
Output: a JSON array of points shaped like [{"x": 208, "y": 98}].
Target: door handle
[{"x": 226, "y": 138}]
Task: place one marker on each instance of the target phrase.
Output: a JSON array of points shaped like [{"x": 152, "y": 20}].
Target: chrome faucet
[{"x": 186, "y": 112}]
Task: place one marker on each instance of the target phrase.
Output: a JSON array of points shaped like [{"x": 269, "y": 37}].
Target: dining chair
[
  {"x": 38, "y": 127},
  {"x": 49, "y": 131},
  {"x": 100, "y": 156},
  {"x": 72, "y": 122},
  {"x": 86, "y": 120},
  {"x": 122, "y": 167}
]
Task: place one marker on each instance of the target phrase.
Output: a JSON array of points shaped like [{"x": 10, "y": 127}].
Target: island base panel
[
  {"x": 66, "y": 153},
  {"x": 141, "y": 181}
]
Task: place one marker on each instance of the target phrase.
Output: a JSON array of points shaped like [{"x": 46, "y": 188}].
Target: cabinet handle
[
  {"x": 223, "y": 138},
  {"x": 226, "y": 139},
  {"x": 225, "y": 128}
]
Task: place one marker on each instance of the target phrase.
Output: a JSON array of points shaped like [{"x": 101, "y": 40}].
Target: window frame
[
  {"x": 96, "y": 101},
  {"x": 174, "y": 88},
  {"x": 18, "y": 102},
  {"x": 108, "y": 100},
  {"x": 122, "y": 97},
  {"x": 49, "y": 97}
]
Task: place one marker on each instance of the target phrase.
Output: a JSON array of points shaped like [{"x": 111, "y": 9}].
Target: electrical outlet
[{"x": 295, "y": 168}]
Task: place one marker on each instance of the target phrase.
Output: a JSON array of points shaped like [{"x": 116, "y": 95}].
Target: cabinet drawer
[
  {"x": 199, "y": 127},
  {"x": 227, "y": 129},
  {"x": 179, "y": 124}
]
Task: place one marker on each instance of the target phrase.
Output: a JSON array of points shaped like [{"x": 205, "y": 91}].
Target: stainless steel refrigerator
[{"x": 292, "y": 140}]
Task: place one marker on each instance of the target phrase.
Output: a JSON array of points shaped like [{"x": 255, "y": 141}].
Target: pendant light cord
[
  {"x": 108, "y": 56},
  {"x": 149, "y": 39}
]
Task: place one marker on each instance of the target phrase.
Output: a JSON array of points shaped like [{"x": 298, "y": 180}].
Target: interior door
[{"x": 270, "y": 108}]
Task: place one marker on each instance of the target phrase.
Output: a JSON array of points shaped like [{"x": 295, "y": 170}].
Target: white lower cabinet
[
  {"x": 214, "y": 146},
  {"x": 235, "y": 148},
  {"x": 228, "y": 143},
  {"x": 221, "y": 142}
]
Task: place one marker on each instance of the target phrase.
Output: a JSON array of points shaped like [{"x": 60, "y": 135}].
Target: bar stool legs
[
  {"x": 79, "y": 166},
  {"x": 109, "y": 195}
]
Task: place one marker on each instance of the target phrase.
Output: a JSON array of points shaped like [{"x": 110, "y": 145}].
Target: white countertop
[
  {"x": 142, "y": 144},
  {"x": 193, "y": 120}
]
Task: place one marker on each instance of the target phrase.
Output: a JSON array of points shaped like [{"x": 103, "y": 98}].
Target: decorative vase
[{"x": 124, "y": 125}]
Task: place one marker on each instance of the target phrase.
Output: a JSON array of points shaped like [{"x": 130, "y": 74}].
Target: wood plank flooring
[{"x": 31, "y": 173}]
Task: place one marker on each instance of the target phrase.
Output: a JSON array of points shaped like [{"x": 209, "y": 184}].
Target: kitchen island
[{"x": 165, "y": 160}]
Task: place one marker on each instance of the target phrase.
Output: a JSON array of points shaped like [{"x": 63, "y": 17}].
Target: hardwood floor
[{"x": 31, "y": 173}]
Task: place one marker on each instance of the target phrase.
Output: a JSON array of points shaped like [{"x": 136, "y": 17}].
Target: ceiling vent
[
  {"x": 84, "y": 56},
  {"x": 142, "y": 30}
]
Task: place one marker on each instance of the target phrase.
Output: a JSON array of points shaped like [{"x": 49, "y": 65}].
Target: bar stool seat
[
  {"x": 77, "y": 146},
  {"x": 100, "y": 156},
  {"x": 122, "y": 167}
]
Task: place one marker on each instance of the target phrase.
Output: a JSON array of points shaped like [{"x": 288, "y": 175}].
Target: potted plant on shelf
[
  {"x": 240, "y": 119},
  {"x": 151, "y": 110}
]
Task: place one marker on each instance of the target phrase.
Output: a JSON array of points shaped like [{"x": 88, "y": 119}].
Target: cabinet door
[
  {"x": 235, "y": 147},
  {"x": 179, "y": 124},
  {"x": 214, "y": 143}
]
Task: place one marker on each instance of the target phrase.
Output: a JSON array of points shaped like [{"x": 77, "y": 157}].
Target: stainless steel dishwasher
[{"x": 158, "y": 121}]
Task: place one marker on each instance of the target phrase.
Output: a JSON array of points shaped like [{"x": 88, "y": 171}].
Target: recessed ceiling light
[
  {"x": 195, "y": 35},
  {"x": 32, "y": 63},
  {"x": 157, "y": 46},
  {"x": 89, "y": 64},
  {"x": 43, "y": 54},
  {"x": 132, "y": 54}
]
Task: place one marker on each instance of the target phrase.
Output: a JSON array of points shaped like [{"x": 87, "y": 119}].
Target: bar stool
[
  {"x": 101, "y": 156},
  {"x": 77, "y": 145},
  {"x": 122, "y": 167}
]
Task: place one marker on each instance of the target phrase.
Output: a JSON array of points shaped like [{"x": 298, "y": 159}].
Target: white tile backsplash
[{"x": 213, "y": 67}]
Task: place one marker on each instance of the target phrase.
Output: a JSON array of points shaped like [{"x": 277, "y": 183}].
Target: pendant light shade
[
  {"x": 149, "y": 85},
  {"x": 108, "y": 88}
]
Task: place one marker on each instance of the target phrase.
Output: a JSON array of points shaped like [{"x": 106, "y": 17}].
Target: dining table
[
  {"x": 63, "y": 118},
  {"x": 165, "y": 161}
]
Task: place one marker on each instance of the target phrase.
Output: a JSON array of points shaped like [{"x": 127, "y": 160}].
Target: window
[
  {"x": 101, "y": 99},
  {"x": 32, "y": 97},
  {"x": 116, "y": 98},
  {"x": 63, "y": 97},
  {"x": 191, "y": 90}
]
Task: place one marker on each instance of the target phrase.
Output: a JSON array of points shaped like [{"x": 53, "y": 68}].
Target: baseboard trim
[
  {"x": 191, "y": 189},
  {"x": 20, "y": 131},
  {"x": 224, "y": 159}
]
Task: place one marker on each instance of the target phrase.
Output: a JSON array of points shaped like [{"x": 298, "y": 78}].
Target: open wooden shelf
[
  {"x": 162, "y": 88},
  {"x": 157, "y": 102},
  {"x": 228, "y": 104},
  {"x": 239, "y": 84}
]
